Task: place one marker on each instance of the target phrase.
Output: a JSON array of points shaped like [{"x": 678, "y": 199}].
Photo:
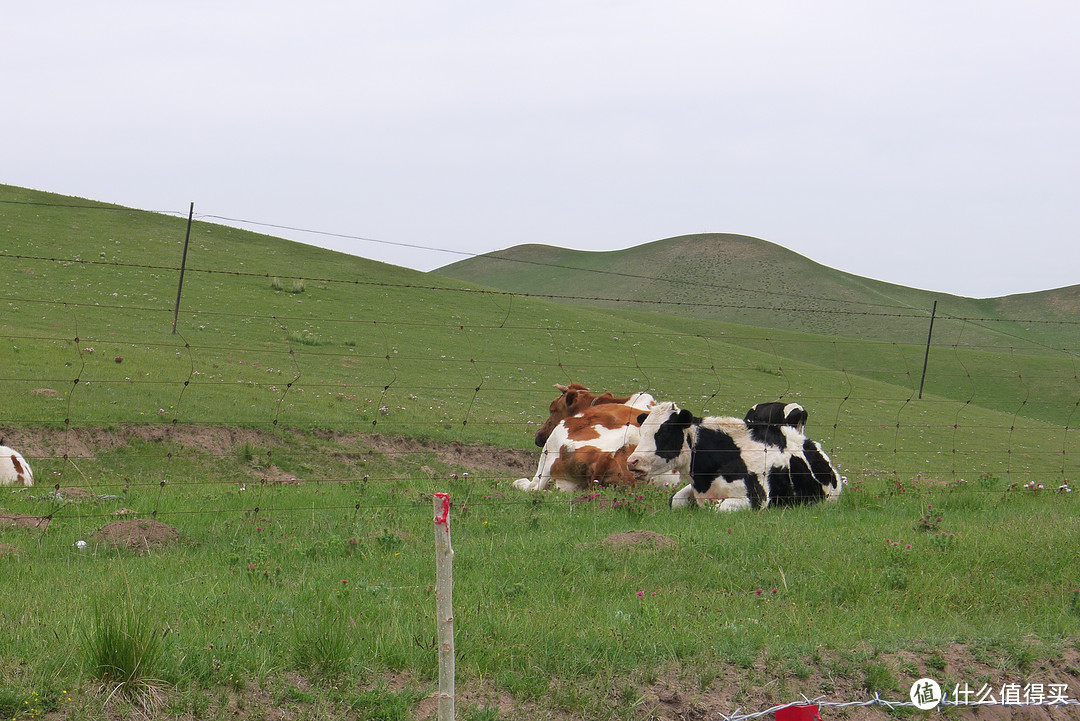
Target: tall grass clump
[
  {"x": 125, "y": 652},
  {"x": 305, "y": 337},
  {"x": 297, "y": 287},
  {"x": 324, "y": 649}
]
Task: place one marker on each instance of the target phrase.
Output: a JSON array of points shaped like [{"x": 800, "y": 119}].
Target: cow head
[
  {"x": 663, "y": 441},
  {"x": 575, "y": 399}
]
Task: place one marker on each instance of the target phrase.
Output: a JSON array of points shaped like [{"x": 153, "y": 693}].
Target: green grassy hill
[
  {"x": 747, "y": 280},
  {"x": 366, "y": 345},
  {"x": 292, "y": 430}
]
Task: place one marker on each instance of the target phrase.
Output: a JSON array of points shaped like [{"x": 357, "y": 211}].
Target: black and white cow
[
  {"x": 766, "y": 419},
  {"x": 727, "y": 460}
]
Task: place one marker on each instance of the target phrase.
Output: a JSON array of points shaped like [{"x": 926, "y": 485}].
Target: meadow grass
[
  {"x": 309, "y": 583},
  {"x": 307, "y": 542}
]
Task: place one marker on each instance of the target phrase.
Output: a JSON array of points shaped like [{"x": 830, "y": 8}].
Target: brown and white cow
[
  {"x": 14, "y": 469},
  {"x": 575, "y": 399},
  {"x": 586, "y": 440}
]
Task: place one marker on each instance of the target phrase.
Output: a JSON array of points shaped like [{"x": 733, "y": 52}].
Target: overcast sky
[{"x": 930, "y": 143}]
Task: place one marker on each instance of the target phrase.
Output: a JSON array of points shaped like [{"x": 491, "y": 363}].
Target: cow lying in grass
[
  {"x": 728, "y": 460},
  {"x": 575, "y": 399},
  {"x": 586, "y": 440},
  {"x": 14, "y": 470}
]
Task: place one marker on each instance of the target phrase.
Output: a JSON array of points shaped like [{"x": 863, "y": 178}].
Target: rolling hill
[
  {"x": 293, "y": 427},
  {"x": 453, "y": 361},
  {"x": 741, "y": 279}
]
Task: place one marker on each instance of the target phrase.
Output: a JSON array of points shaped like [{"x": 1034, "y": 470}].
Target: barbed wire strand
[
  {"x": 490, "y": 255},
  {"x": 890, "y": 705},
  {"x": 923, "y": 315}
]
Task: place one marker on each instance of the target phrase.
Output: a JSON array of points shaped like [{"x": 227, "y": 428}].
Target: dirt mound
[
  {"x": 17, "y": 520},
  {"x": 74, "y": 493},
  {"x": 649, "y": 540},
  {"x": 140, "y": 534}
]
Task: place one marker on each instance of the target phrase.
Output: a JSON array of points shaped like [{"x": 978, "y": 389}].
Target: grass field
[{"x": 292, "y": 430}]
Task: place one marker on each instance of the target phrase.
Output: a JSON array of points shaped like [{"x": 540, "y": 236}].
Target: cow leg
[
  {"x": 543, "y": 473},
  {"x": 548, "y": 456},
  {"x": 733, "y": 504},
  {"x": 669, "y": 479},
  {"x": 684, "y": 497}
]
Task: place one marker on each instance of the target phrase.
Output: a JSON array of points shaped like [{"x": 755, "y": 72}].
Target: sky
[{"x": 929, "y": 143}]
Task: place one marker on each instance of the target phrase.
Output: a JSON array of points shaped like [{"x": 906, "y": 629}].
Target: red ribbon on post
[{"x": 439, "y": 520}]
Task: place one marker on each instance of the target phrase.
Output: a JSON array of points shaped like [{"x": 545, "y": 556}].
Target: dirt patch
[
  {"x": 47, "y": 392},
  {"x": 683, "y": 694},
  {"x": 272, "y": 474},
  {"x": 88, "y": 442},
  {"x": 75, "y": 493},
  {"x": 211, "y": 439},
  {"x": 686, "y": 695},
  {"x": 647, "y": 540},
  {"x": 675, "y": 697},
  {"x": 17, "y": 520},
  {"x": 475, "y": 458},
  {"x": 137, "y": 534}
]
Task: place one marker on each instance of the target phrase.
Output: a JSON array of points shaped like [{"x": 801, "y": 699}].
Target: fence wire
[{"x": 946, "y": 704}]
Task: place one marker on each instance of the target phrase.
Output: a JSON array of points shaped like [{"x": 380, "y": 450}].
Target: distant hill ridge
[{"x": 741, "y": 279}]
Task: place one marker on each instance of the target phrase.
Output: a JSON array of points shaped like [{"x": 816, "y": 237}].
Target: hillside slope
[
  {"x": 388, "y": 348},
  {"x": 741, "y": 279}
]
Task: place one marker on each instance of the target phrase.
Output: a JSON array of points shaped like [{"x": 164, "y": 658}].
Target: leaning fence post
[
  {"x": 444, "y": 605},
  {"x": 926, "y": 359},
  {"x": 183, "y": 264}
]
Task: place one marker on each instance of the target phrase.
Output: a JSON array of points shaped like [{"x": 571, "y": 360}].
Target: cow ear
[
  {"x": 570, "y": 396},
  {"x": 684, "y": 417},
  {"x": 641, "y": 418}
]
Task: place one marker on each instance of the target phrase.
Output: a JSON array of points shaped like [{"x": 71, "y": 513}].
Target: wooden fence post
[
  {"x": 444, "y": 605},
  {"x": 183, "y": 264},
  {"x": 926, "y": 359}
]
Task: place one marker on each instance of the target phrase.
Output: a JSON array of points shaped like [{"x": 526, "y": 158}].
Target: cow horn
[{"x": 561, "y": 387}]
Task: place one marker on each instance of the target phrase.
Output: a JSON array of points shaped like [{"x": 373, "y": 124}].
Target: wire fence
[
  {"x": 399, "y": 355},
  {"x": 944, "y": 705},
  {"x": 1000, "y": 399},
  {"x": 90, "y": 364}
]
